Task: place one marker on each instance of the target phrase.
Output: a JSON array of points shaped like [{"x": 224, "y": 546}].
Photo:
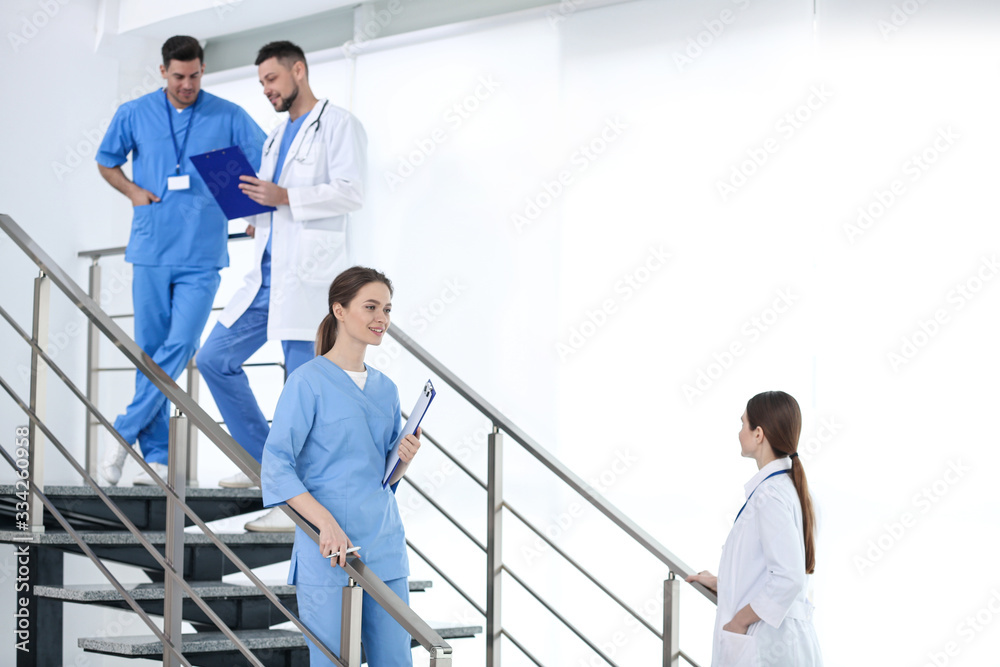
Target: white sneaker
[
  {"x": 274, "y": 521},
  {"x": 114, "y": 459},
  {"x": 143, "y": 479},
  {"x": 238, "y": 481}
]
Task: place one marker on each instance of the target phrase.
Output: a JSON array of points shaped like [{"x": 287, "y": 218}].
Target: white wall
[{"x": 606, "y": 392}]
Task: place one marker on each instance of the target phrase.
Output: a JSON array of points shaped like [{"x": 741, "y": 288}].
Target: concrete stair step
[
  {"x": 284, "y": 648},
  {"x": 240, "y": 606},
  {"x": 143, "y": 505},
  {"x": 203, "y": 561}
]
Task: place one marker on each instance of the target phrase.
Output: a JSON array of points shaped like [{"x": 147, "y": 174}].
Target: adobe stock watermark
[
  {"x": 454, "y": 117},
  {"x": 581, "y": 159},
  {"x": 430, "y": 312},
  {"x": 565, "y": 9},
  {"x": 923, "y": 501},
  {"x": 751, "y": 332},
  {"x": 787, "y": 126},
  {"x": 35, "y": 22},
  {"x": 372, "y": 25},
  {"x": 434, "y": 480},
  {"x": 704, "y": 39},
  {"x": 810, "y": 447},
  {"x": 913, "y": 169},
  {"x": 623, "y": 290},
  {"x": 967, "y": 630},
  {"x": 898, "y": 17},
  {"x": 957, "y": 298},
  {"x": 563, "y": 522},
  {"x": 85, "y": 149}
]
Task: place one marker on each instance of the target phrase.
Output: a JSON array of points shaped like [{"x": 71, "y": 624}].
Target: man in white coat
[{"x": 312, "y": 171}]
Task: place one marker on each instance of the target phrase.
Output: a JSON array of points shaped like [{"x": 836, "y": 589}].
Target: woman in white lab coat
[{"x": 764, "y": 618}]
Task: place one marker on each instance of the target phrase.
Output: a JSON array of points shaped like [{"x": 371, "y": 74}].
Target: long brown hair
[
  {"x": 343, "y": 289},
  {"x": 778, "y": 414}
]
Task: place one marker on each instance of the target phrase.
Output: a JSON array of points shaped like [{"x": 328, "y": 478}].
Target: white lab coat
[
  {"x": 324, "y": 173},
  {"x": 763, "y": 565}
]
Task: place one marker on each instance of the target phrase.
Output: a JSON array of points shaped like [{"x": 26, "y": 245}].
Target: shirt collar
[{"x": 784, "y": 463}]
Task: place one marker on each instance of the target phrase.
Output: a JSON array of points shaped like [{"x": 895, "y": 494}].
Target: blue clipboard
[
  {"x": 221, "y": 171},
  {"x": 419, "y": 410}
]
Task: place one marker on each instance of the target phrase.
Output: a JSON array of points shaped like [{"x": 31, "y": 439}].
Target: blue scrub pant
[
  {"x": 220, "y": 362},
  {"x": 171, "y": 305},
  {"x": 386, "y": 643}
]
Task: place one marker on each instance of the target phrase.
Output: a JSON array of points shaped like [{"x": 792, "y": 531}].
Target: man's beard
[{"x": 286, "y": 102}]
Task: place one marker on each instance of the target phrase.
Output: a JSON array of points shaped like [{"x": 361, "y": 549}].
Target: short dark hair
[
  {"x": 183, "y": 48},
  {"x": 285, "y": 51}
]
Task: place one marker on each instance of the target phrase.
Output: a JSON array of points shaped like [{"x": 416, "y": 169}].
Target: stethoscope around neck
[{"x": 314, "y": 126}]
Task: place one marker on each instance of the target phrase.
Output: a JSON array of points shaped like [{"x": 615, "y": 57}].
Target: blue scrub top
[
  {"x": 286, "y": 142},
  {"x": 186, "y": 227},
  {"x": 332, "y": 439}
]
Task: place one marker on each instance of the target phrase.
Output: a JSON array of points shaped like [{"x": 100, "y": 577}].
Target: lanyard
[
  {"x": 187, "y": 131},
  {"x": 780, "y": 472}
]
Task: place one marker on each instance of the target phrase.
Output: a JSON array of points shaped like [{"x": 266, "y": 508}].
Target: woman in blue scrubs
[{"x": 335, "y": 423}]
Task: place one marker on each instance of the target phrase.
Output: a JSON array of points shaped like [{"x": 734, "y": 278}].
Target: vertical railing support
[
  {"x": 494, "y": 546},
  {"x": 36, "y": 400},
  {"x": 193, "y": 383},
  {"x": 671, "y": 621},
  {"x": 93, "y": 377},
  {"x": 440, "y": 657},
  {"x": 174, "y": 549},
  {"x": 350, "y": 624}
]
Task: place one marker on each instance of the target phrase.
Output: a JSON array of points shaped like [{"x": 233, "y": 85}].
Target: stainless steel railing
[
  {"x": 188, "y": 410},
  {"x": 668, "y": 633}
]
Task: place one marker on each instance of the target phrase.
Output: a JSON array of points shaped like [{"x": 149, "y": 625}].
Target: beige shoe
[
  {"x": 274, "y": 521},
  {"x": 238, "y": 481},
  {"x": 113, "y": 461},
  {"x": 142, "y": 479}
]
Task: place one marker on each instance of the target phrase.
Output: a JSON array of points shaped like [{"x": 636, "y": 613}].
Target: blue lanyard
[
  {"x": 187, "y": 131},
  {"x": 773, "y": 474}
]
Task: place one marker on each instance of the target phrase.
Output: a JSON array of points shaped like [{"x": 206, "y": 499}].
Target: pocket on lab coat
[
  {"x": 736, "y": 650},
  {"x": 320, "y": 252}
]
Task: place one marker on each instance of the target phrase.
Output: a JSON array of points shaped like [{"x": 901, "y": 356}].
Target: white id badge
[{"x": 179, "y": 182}]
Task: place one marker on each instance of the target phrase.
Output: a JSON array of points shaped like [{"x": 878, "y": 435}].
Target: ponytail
[
  {"x": 343, "y": 289},
  {"x": 778, "y": 414},
  {"x": 327, "y": 335}
]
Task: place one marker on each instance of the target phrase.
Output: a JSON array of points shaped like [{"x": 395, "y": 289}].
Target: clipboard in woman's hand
[{"x": 412, "y": 424}]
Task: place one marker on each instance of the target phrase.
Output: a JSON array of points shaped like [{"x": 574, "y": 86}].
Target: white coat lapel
[
  {"x": 300, "y": 136},
  {"x": 272, "y": 147}
]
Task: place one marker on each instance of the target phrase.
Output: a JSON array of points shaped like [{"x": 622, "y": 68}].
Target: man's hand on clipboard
[
  {"x": 408, "y": 447},
  {"x": 263, "y": 192}
]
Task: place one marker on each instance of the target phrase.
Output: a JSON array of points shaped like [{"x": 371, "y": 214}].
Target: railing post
[
  {"x": 350, "y": 624},
  {"x": 93, "y": 377},
  {"x": 36, "y": 401},
  {"x": 440, "y": 657},
  {"x": 174, "y": 549},
  {"x": 494, "y": 547},
  {"x": 671, "y": 621},
  {"x": 193, "y": 383}
]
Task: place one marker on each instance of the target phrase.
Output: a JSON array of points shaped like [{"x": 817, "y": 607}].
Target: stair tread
[
  {"x": 155, "y": 591},
  {"x": 210, "y": 642},
  {"x": 53, "y": 491},
  {"x": 126, "y": 538}
]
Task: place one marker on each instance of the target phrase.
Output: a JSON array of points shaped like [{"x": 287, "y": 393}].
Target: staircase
[
  {"x": 243, "y": 608},
  {"x": 235, "y": 624}
]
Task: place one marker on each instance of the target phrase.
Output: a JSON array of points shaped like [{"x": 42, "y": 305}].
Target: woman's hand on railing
[
  {"x": 706, "y": 579},
  {"x": 333, "y": 539}
]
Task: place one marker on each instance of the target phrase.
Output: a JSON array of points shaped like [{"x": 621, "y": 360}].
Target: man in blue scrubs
[
  {"x": 179, "y": 233},
  {"x": 312, "y": 171}
]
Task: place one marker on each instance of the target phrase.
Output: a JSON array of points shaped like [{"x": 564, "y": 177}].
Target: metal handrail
[
  {"x": 570, "y": 478},
  {"x": 120, "y": 249},
  {"x": 102, "y": 420},
  {"x": 426, "y": 636},
  {"x": 129, "y": 600}
]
